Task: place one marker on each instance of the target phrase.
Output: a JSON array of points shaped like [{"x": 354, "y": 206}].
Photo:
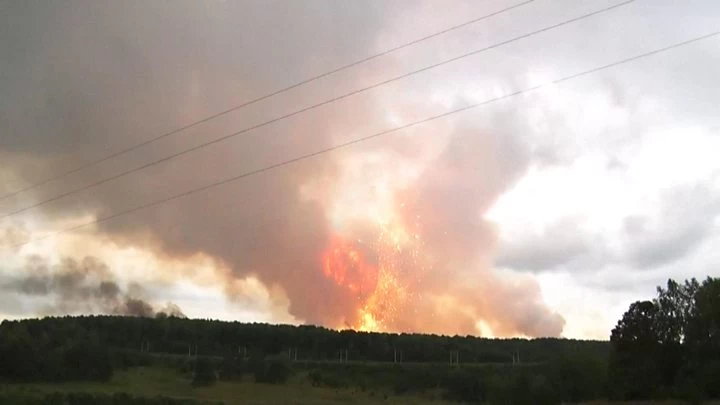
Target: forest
[{"x": 668, "y": 347}]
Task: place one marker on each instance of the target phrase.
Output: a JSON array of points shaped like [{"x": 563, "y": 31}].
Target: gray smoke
[
  {"x": 82, "y": 286},
  {"x": 160, "y": 67},
  {"x": 84, "y": 78}
]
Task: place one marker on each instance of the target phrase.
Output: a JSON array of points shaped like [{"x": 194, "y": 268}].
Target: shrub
[
  {"x": 274, "y": 369},
  {"x": 204, "y": 372}
]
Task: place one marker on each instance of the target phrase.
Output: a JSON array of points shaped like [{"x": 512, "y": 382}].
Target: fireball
[
  {"x": 382, "y": 289},
  {"x": 345, "y": 264}
]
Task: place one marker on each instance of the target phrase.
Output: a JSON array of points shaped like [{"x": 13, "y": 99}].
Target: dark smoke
[
  {"x": 138, "y": 307},
  {"x": 115, "y": 73},
  {"x": 87, "y": 285},
  {"x": 146, "y": 57}
]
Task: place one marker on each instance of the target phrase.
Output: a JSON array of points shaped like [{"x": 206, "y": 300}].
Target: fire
[
  {"x": 382, "y": 290},
  {"x": 344, "y": 263}
]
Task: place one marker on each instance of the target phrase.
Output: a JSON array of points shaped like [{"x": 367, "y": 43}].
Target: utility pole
[{"x": 454, "y": 357}]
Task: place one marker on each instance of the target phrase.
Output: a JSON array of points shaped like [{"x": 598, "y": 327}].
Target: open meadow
[
  {"x": 165, "y": 383},
  {"x": 154, "y": 382}
]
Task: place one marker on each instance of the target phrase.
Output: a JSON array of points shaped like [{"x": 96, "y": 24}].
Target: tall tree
[
  {"x": 635, "y": 345},
  {"x": 703, "y": 338},
  {"x": 675, "y": 306},
  {"x": 669, "y": 346}
]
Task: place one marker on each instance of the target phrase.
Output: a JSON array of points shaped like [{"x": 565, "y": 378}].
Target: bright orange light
[
  {"x": 345, "y": 264},
  {"x": 381, "y": 290}
]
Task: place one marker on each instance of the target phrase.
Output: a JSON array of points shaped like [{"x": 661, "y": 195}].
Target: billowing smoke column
[
  {"x": 434, "y": 250},
  {"x": 113, "y": 74}
]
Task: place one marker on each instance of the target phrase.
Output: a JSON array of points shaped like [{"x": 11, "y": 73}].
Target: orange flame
[
  {"x": 381, "y": 291},
  {"x": 346, "y": 265}
]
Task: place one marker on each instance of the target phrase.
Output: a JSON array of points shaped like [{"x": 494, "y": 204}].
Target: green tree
[
  {"x": 275, "y": 369},
  {"x": 86, "y": 360},
  {"x": 279, "y": 369},
  {"x": 635, "y": 345},
  {"x": 702, "y": 338},
  {"x": 675, "y": 305},
  {"x": 669, "y": 346}
]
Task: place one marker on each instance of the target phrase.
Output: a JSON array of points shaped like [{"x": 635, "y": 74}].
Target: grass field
[
  {"x": 646, "y": 403},
  {"x": 156, "y": 381},
  {"x": 167, "y": 382}
]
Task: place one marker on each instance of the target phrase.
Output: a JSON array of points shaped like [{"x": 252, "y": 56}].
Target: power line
[
  {"x": 312, "y": 107},
  {"x": 369, "y": 137},
  {"x": 264, "y": 97}
]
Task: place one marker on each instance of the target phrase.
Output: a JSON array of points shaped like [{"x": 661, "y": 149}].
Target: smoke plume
[
  {"x": 85, "y": 286},
  {"x": 115, "y": 73}
]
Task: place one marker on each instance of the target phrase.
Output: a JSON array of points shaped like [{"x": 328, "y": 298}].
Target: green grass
[
  {"x": 669, "y": 402},
  {"x": 154, "y": 381},
  {"x": 166, "y": 382}
]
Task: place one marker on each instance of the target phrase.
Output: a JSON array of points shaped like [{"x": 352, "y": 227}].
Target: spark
[{"x": 383, "y": 291}]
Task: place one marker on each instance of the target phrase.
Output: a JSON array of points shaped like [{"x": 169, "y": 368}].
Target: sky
[{"x": 544, "y": 211}]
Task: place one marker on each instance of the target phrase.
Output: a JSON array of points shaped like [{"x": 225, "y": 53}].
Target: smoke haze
[
  {"x": 86, "y": 78},
  {"x": 85, "y": 286}
]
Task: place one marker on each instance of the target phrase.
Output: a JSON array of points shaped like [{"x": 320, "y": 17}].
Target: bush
[
  {"x": 232, "y": 367},
  {"x": 327, "y": 379},
  {"x": 114, "y": 399},
  {"x": 87, "y": 361},
  {"x": 279, "y": 369},
  {"x": 204, "y": 374},
  {"x": 464, "y": 385},
  {"x": 543, "y": 392},
  {"x": 274, "y": 369}
]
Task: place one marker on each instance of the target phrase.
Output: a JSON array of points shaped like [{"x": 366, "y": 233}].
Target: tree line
[
  {"x": 668, "y": 347},
  {"x": 182, "y": 337}
]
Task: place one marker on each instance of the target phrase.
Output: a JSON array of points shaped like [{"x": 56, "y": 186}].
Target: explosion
[
  {"x": 347, "y": 266},
  {"x": 383, "y": 289}
]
